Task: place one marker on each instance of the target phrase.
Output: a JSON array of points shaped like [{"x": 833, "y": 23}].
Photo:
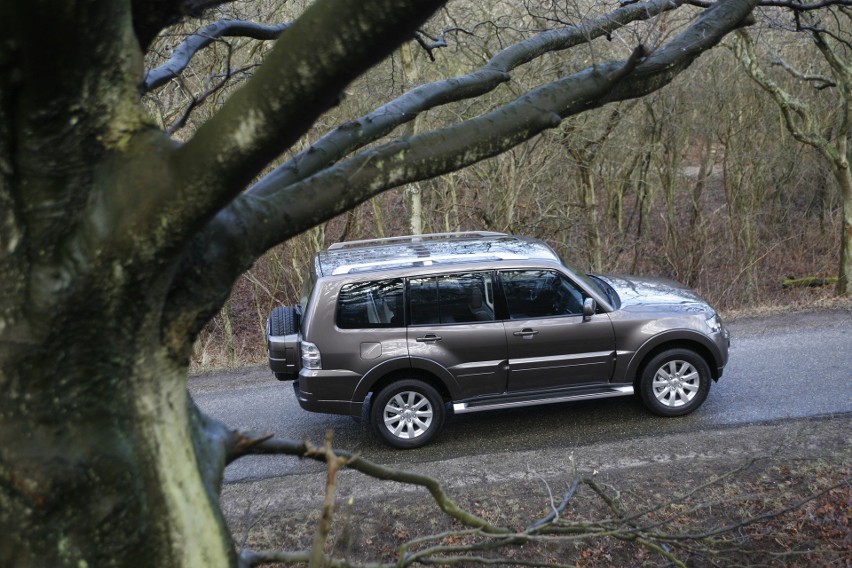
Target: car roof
[{"x": 434, "y": 249}]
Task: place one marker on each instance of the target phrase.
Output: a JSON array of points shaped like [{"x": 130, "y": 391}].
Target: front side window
[
  {"x": 540, "y": 293},
  {"x": 371, "y": 304},
  {"x": 452, "y": 298}
]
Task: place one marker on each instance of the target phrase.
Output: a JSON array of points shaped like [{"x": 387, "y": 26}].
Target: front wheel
[
  {"x": 407, "y": 414},
  {"x": 675, "y": 382}
]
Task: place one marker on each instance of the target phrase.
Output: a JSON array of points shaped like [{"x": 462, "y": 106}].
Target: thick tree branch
[
  {"x": 150, "y": 17},
  {"x": 301, "y": 78},
  {"x": 183, "y": 53},
  {"x": 465, "y": 143},
  {"x": 223, "y": 251},
  {"x": 789, "y": 4},
  {"x": 357, "y": 133},
  {"x": 351, "y": 182},
  {"x": 678, "y": 54},
  {"x": 271, "y": 213}
]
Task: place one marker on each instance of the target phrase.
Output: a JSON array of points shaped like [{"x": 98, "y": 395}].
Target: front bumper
[{"x": 722, "y": 339}]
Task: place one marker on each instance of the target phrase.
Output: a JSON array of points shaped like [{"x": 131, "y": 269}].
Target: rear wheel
[
  {"x": 284, "y": 320},
  {"x": 675, "y": 382},
  {"x": 407, "y": 414}
]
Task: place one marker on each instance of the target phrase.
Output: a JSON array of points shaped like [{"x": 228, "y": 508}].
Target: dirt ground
[{"x": 774, "y": 494}]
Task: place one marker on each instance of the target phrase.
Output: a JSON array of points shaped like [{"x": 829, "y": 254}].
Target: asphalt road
[{"x": 784, "y": 366}]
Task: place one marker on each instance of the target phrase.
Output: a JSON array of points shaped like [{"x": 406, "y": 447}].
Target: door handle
[
  {"x": 526, "y": 333},
  {"x": 428, "y": 338}
]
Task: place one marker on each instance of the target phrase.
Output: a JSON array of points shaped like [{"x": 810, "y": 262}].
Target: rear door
[
  {"x": 549, "y": 344},
  {"x": 451, "y": 322}
]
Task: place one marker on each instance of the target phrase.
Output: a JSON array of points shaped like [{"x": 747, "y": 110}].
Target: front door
[{"x": 549, "y": 343}]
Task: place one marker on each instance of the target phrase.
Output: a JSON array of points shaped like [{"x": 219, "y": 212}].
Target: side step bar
[{"x": 467, "y": 407}]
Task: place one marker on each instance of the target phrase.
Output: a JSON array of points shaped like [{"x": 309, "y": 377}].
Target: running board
[{"x": 466, "y": 407}]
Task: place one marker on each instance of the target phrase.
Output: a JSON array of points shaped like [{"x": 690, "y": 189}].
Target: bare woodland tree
[
  {"x": 118, "y": 244},
  {"x": 828, "y": 133}
]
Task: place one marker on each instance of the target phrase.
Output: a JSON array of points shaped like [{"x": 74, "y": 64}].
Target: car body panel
[
  {"x": 473, "y": 353},
  {"x": 559, "y": 351}
]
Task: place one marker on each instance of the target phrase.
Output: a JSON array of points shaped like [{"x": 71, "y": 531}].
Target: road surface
[{"x": 785, "y": 366}]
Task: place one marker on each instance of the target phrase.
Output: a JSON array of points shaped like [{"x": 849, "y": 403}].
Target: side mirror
[{"x": 589, "y": 308}]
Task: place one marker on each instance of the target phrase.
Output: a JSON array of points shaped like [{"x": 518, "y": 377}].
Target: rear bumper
[{"x": 308, "y": 401}]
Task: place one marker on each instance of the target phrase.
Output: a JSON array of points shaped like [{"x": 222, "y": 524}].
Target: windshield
[
  {"x": 606, "y": 289},
  {"x": 584, "y": 278}
]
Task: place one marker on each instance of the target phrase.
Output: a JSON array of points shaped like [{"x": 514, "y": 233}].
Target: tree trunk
[
  {"x": 413, "y": 190},
  {"x": 591, "y": 216},
  {"x": 101, "y": 454},
  {"x": 844, "y": 276}
]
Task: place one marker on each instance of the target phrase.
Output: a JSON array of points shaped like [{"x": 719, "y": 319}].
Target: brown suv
[{"x": 404, "y": 330}]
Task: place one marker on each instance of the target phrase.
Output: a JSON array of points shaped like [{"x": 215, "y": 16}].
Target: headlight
[
  {"x": 311, "y": 356},
  {"x": 714, "y": 323}
]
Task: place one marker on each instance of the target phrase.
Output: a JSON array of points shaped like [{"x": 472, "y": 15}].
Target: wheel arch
[
  {"x": 387, "y": 372},
  {"x": 691, "y": 341}
]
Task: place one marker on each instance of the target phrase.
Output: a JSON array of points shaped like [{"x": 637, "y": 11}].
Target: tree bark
[
  {"x": 844, "y": 276},
  {"x": 104, "y": 460},
  {"x": 413, "y": 190},
  {"x": 100, "y": 463}
]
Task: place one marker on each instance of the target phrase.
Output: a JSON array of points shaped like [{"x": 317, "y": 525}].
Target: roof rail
[
  {"x": 415, "y": 238},
  {"x": 430, "y": 261}
]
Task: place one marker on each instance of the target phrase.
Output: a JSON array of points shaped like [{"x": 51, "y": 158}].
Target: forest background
[{"x": 701, "y": 181}]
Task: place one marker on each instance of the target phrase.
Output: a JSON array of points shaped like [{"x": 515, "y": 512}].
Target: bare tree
[
  {"x": 829, "y": 133},
  {"x": 118, "y": 244}
]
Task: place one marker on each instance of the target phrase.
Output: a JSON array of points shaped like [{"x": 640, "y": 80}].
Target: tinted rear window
[
  {"x": 371, "y": 304},
  {"x": 452, "y": 298}
]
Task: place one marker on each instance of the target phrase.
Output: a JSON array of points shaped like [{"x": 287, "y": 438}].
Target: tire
[
  {"x": 407, "y": 414},
  {"x": 284, "y": 320},
  {"x": 675, "y": 382}
]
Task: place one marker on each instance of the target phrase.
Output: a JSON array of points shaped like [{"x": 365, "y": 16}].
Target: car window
[
  {"x": 540, "y": 293},
  {"x": 308, "y": 285},
  {"x": 451, "y": 298},
  {"x": 371, "y": 304}
]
